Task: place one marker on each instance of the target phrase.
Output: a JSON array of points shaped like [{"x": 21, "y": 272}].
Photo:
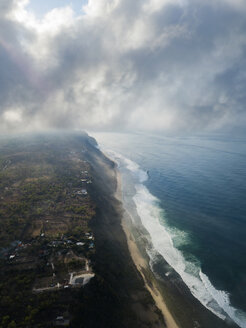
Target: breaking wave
[{"x": 162, "y": 237}]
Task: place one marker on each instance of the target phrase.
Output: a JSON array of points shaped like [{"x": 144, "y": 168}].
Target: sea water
[{"x": 189, "y": 193}]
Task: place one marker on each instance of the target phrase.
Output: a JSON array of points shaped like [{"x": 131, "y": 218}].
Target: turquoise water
[{"x": 192, "y": 202}]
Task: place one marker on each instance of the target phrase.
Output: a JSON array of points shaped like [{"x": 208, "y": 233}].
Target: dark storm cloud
[{"x": 153, "y": 65}]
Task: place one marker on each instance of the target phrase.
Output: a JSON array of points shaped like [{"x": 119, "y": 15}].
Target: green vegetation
[
  {"x": 42, "y": 217},
  {"x": 49, "y": 217}
]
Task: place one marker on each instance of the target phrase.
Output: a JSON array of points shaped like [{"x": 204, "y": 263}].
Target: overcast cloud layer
[{"x": 156, "y": 65}]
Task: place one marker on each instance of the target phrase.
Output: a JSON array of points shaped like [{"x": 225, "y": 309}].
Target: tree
[
  {"x": 5, "y": 320},
  {"x": 12, "y": 324}
]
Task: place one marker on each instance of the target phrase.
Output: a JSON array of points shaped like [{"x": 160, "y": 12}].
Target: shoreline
[
  {"x": 179, "y": 308},
  {"x": 142, "y": 265},
  {"x": 169, "y": 297},
  {"x": 126, "y": 303}
]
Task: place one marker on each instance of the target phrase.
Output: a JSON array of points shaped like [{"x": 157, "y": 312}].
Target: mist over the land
[{"x": 151, "y": 65}]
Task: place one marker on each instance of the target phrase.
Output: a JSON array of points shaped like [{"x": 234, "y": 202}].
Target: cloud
[{"x": 124, "y": 65}]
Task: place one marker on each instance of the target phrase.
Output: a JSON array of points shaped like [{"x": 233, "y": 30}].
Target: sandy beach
[{"x": 143, "y": 266}]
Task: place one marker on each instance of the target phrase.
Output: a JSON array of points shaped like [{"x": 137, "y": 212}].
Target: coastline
[
  {"x": 179, "y": 308},
  {"x": 123, "y": 300},
  {"x": 142, "y": 265},
  {"x": 133, "y": 286}
]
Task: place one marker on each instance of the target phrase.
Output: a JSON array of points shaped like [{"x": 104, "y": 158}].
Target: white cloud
[
  {"x": 152, "y": 6},
  {"x": 98, "y": 8},
  {"x": 150, "y": 64},
  {"x": 12, "y": 116}
]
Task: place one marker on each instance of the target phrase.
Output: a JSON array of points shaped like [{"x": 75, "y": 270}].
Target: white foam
[
  {"x": 138, "y": 174},
  {"x": 163, "y": 238},
  {"x": 223, "y": 300},
  {"x": 150, "y": 213}
]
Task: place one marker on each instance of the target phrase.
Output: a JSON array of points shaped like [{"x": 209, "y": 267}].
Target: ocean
[{"x": 189, "y": 193}]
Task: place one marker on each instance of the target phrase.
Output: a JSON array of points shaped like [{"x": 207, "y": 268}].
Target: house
[
  {"x": 80, "y": 243},
  {"x": 61, "y": 322}
]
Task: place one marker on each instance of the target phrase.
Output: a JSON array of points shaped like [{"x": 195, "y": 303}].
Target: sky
[
  {"x": 122, "y": 65},
  {"x": 42, "y": 7}
]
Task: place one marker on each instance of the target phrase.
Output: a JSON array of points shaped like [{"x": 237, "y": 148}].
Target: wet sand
[{"x": 142, "y": 266}]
